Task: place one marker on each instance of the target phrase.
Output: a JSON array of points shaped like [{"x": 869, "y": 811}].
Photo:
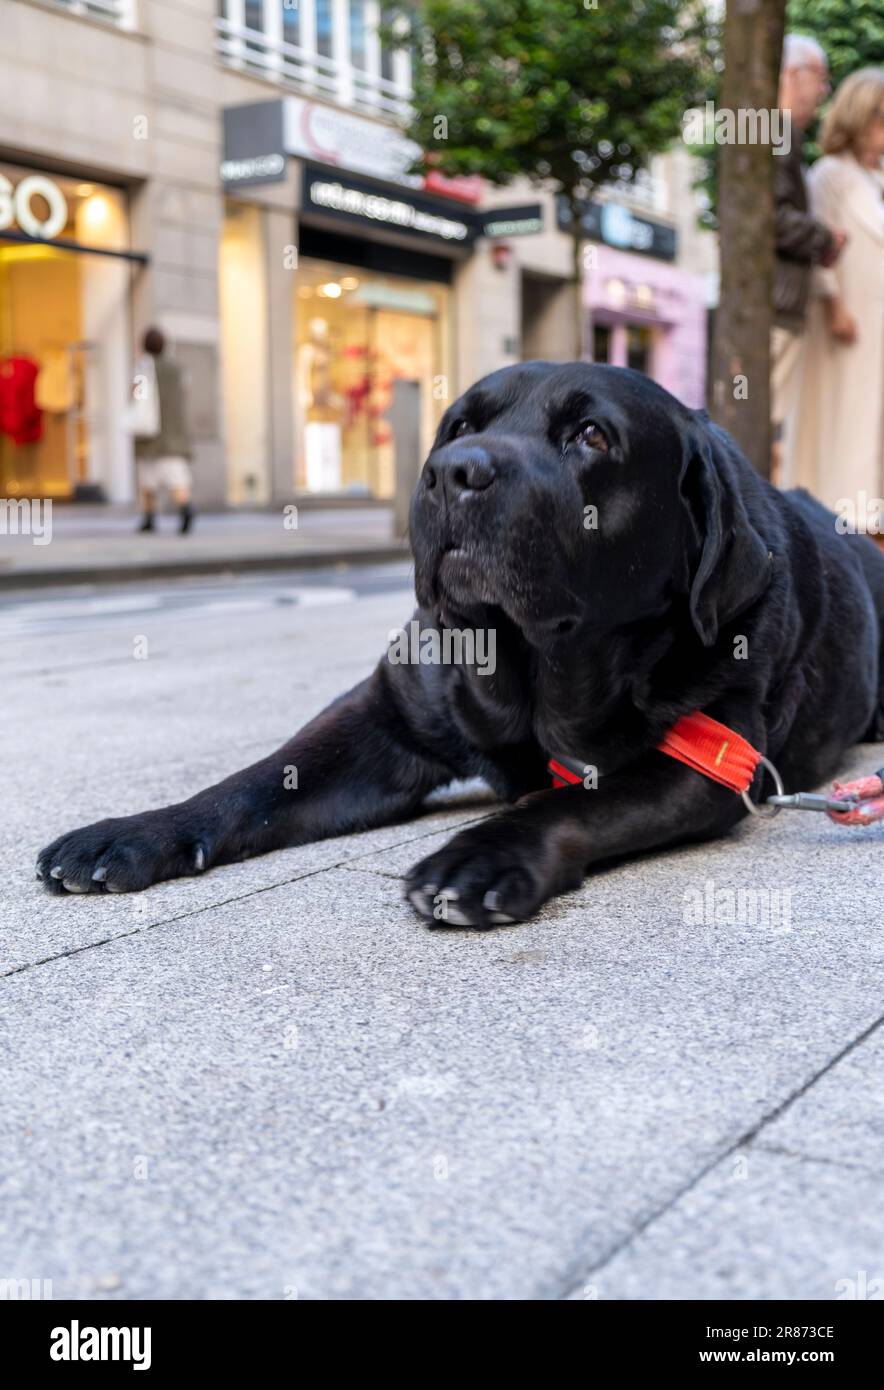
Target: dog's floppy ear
[{"x": 731, "y": 562}]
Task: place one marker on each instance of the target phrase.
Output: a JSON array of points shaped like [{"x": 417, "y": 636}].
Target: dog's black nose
[{"x": 458, "y": 472}]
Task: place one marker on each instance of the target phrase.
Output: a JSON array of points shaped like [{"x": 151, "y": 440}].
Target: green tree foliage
[
  {"x": 569, "y": 93},
  {"x": 554, "y": 89},
  {"x": 851, "y": 31}
]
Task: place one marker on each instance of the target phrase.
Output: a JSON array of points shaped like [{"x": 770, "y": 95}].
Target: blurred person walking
[
  {"x": 836, "y": 449},
  {"x": 163, "y": 451},
  {"x": 802, "y": 239}
]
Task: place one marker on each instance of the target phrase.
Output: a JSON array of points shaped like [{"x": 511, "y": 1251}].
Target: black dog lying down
[{"x": 632, "y": 568}]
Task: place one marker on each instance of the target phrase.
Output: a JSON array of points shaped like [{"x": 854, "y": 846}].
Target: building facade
[{"x": 234, "y": 173}]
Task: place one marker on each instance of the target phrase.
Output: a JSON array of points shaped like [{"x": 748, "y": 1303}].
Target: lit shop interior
[
  {"x": 357, "y": 334},
  {"x": 64, "y": 336},
  {"x": 356, "y": 354}
]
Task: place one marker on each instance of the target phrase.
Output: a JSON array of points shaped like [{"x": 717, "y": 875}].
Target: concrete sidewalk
[
  {"x": 102, "y": 544},
  {"x": 276, "y": 1079}
]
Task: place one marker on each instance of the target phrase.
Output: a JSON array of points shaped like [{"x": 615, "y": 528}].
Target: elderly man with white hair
[{"x": 801, "y": 240}]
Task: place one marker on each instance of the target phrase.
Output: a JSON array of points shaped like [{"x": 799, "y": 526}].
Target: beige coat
[{"x": 835, "y": 439}]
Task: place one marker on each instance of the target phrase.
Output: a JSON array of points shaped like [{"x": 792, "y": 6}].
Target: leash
[{"x": 724, "y": 756}]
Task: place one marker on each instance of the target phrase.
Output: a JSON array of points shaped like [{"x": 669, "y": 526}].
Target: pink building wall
[{"x": 625, "y": 288}]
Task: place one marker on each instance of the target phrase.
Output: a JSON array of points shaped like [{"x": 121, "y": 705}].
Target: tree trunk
[{"x": 740, "y": 394}]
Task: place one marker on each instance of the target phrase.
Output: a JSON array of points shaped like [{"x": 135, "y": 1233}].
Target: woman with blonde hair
[{"x": 835, "y": 446}]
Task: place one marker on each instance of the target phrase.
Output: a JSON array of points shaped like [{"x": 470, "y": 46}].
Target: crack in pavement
[
  {"x": 222, "y": 902},
  {"x": 572, "y": 1285},
  {"x": 785, "y": 1152}
]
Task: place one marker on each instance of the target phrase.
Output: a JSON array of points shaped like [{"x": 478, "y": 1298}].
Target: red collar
[{"x": 705, "y": 745}]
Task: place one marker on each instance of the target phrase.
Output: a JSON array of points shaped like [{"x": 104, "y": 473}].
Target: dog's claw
[
  {"x": 56, "y": 871},
  {"x": 451, "y": 914},
  {"x": 491, "y": 903},
  {"x": 99, "y": 876},
  {"x": 419, "y": 899},
  {"x": 199, "y": 862}
]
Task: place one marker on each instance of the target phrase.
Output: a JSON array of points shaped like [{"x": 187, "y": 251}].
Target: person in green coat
[{"x": 163, "y": 458}]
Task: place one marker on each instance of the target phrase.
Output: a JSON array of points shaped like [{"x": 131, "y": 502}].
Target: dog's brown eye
[{"x": 590, "y": 435}]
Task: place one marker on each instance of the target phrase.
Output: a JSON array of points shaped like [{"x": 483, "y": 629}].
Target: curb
[{"x": 176, "y": 569}]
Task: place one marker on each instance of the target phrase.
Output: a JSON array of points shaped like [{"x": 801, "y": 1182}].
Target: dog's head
[{"x": 578, "y": 496}]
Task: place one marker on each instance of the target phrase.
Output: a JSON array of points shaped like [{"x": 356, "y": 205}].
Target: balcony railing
[
  {"x": 119, "y": 12},
  {"x": 286, "y": 63}
]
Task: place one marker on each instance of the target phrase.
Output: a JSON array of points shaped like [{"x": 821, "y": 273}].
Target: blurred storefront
[
  {"x": 366, "y": 368},
  {"x": 65, "y": 281},
  {"x": 644, "y": 310}
]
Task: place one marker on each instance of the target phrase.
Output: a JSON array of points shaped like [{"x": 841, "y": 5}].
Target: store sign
[
  {"x": 253, "y": 145},
  {"x": 354, "y": 201},
  {"x": 259, "y": 136},
  {"x": 330, "y": 135},
  {"x": 17, "y": 206},
  {"x": 617, "y": 225},
  {"x": 377, "y": 295},
  {"x": 507, "y": 222},
  {"x": 261, "y": 168}
]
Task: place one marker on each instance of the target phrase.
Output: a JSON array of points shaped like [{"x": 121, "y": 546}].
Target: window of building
[
  {"x": 317, "y": 46},
  {"x": 253, "y": 14},
  {"x": 358, "y": 34},
  {"x": 601, "y": 342},
  {"x": 387, "y": 15},
  {"x": 324, "y": 27},
  {"x": 253, "y": 19},
  {"x": 119, "y": 12},
  {"x": 639, "y": 348},
  {"x": 291, "y": 23}
]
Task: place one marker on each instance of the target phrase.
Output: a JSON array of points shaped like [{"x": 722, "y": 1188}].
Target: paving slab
[
  {"x": 760, "y": 1226},
  {"x": 841, "y": 1118}
]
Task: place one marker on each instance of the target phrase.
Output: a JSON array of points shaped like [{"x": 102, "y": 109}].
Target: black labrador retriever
[{"x": 632, "y": 568}]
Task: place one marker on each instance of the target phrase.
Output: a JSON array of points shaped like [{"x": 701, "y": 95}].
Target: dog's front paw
[
  {"x": 489, "y": 875},
  {"x": 122, "y": 855}
]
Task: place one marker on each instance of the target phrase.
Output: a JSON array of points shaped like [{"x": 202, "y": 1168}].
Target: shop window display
[
  {"x": 356, "y": 335},
  {"x": 61, "y": 313}
]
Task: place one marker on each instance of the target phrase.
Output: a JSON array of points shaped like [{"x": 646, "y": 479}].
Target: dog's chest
[
  {"x": 557, "y": 709},
  {"x": 599, "y": 735}
]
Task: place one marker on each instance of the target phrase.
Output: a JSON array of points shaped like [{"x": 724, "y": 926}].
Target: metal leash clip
[
  {"x": 812, "y": 801},
  {"x": 796, "y": 801}
]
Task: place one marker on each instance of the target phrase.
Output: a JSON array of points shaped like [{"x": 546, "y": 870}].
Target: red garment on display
[{"x": 20, "y": 416}]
